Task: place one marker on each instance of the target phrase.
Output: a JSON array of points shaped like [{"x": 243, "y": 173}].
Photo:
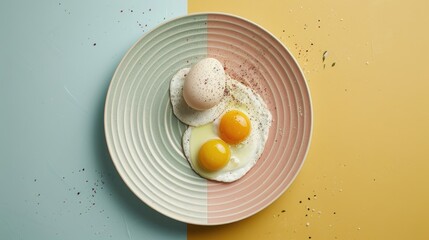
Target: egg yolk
[
  {"x": 214, "y": 155},
  {"x": 234, "y": 127}
]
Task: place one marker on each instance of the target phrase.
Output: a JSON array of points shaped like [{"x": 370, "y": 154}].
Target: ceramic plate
[{"x": 144, "y": 137}]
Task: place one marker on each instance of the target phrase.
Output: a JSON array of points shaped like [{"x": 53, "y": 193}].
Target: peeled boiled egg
[
  {"x": 183, "y": 111},
  {"x": 204, "y": 85}
]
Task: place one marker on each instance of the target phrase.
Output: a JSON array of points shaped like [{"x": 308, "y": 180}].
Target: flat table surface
[{"x": 364, "y": 177}]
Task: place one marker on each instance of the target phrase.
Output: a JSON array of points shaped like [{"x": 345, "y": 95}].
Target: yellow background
[{"x": 367, "y": 170}]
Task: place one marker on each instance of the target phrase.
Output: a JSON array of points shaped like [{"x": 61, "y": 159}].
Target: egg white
[
  {"x": 187, "y": 114},
  {"x": 244, "y": 155}
]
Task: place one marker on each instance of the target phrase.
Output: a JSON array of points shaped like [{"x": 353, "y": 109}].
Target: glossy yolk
[
  {"x": 214, "y": 155},
  {"x": 234, "y": 127}
]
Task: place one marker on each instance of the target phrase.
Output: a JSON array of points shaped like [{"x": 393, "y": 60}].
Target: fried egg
[{"x": 228, "y": 147}]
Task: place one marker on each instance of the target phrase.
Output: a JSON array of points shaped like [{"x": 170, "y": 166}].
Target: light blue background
[{"x": 57, "y": 180}]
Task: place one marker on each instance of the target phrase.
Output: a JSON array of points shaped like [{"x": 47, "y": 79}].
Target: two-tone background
[{"x": 365, "y": 176}]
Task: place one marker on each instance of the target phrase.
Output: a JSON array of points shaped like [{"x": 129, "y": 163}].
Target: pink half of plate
[{"x": 255, "y": 57}]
